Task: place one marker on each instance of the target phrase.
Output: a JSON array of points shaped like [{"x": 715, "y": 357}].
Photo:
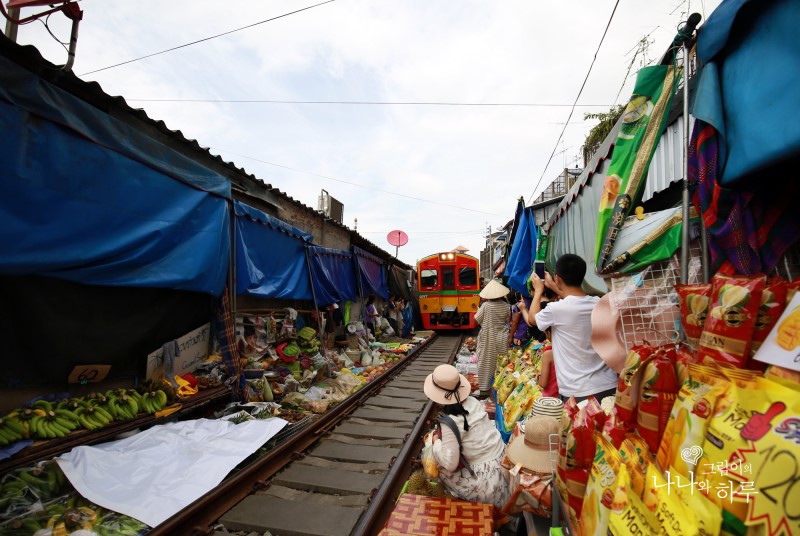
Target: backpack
[{"x": 462, "y": 462}]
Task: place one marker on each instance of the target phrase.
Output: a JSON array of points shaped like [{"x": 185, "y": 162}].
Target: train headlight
[{"x": 451, "y": 256}]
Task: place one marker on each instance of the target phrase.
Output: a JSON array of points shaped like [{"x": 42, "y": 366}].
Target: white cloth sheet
[{"x": 154, "y": 474}]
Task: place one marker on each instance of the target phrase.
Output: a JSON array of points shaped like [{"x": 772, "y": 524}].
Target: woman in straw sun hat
[
  {"x": 483, "y": 479},
  {"x": 492, "y": 316}
]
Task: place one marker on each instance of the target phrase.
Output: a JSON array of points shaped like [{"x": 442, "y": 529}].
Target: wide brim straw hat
[
  {"x": 548, "y": 406},
  {"x": 607, "y": 338},
  {"x": 446, "y": 386},
  {"x": 494, "y": 289},
  {"x": 531, "y": 450}
]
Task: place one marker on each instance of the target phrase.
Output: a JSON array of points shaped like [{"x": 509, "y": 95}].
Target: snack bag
[
  {"x": 627, "y": 396},
  {"x": 686, "y": 428},
  {"x": 636, "y": 456},
  {"x": 659, "y": 389},
  {"x": 661, "y": 499},
  {"x": 505, "y": 388},
  {"x": 629, "y": 516},
  {"x": 750, "y": 458},
  {"x": 567, "y": 418},
  {"x": 518, "y": 402},
  {"x": 600, "y": 489},
  {"x": 575, "y": 480},
  {"x": 500, "y": 377},
  {"x": 686, "y": 357},
  {"x": 693, "y": 301},
  {"x": 613, "y": 432},
  {"x": 728, "y": 331},
  {"x": 773, "y": 302},
  {"x": 580, "y": 439}
]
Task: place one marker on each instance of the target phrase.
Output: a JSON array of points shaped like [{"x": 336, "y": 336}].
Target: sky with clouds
[{"x": 442, "y": 173}]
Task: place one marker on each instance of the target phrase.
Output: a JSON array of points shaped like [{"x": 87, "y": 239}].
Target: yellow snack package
[
  {"x": 636, "y": 456},
  {"x": 518, "y": 402},
  {"x": 661, "y": 499},
  {"x": 505, "y": 388},
  {"x": 750, "y": 464},
  {"x": 600, "y": 489},
  {"x": 680, "y": 446},
  {"x": 629, "y": 516}
]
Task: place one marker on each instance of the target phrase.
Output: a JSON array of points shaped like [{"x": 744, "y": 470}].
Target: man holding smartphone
[{"x": 581, "y": 372}]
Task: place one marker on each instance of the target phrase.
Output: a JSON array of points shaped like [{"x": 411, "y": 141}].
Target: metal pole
[
  {"x": 313, "y": 293},
  {"x": 685, "y": 37},
  {"x": 12, "y": 27}
]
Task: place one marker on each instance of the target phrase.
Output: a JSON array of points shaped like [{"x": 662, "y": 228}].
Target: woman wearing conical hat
[{"x": 492, "y": 316}]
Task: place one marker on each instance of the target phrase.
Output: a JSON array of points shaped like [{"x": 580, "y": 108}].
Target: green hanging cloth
[{"x": 642, "y": 124}]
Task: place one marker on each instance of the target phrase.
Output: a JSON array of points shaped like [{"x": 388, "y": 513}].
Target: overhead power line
[
  {"x": 354, "y": 183},
  {"x": 374, "y": 103},
  {"x": 576, "y": 102},
  {"x": 207, "y": 38}
]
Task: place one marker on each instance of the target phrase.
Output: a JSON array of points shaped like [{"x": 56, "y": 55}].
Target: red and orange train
[{"x": 448, "y": 285}]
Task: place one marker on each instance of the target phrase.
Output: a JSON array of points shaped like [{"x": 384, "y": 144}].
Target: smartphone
[{"x": 538, "y": 267}]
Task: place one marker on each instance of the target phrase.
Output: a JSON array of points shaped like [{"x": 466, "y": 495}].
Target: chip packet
[
  {"x": 629, "y": 516},
  {"x": 662, "y": 500},
  {"x": 659, "y": 389},
  {"x": 773, "y": 302},
  {"x": 728, "y": 331},
  {"x": 627, "y": 395},
  {"x": 693, "y": 301},
  {"x": 750, "y": 459},
  {"x": 600, "y": 489},
  {"x": 686, "y": 428},
  {"x": 636, "y": 456}
]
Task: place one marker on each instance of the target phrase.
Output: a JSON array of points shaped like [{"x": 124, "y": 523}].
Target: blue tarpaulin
[
  {"x": 523, "y": 252},
  {"x": 371, "y": 273},
  {"x": 72, "y": 209},
  {"x": 270, "y": 256},
  {"x": 333, "y": 273},
  {"x": 748, "y": 88}
]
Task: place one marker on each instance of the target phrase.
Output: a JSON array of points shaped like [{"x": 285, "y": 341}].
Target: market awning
[
  {"x": 333, "y": 273},
  {"x": 397, "y": 282},
  {"x": 523, "y": 252},
  {"x": 270, "y": 256},
  {"x": 370, "y": 273}
]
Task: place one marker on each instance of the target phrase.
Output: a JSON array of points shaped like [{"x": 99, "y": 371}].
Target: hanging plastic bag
[{"x": 429, "y": 464}]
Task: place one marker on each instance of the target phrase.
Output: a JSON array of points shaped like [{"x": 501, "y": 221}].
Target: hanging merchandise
[
  {"x": 643, "y": 121},
  {"x": 523, "y": 252}
]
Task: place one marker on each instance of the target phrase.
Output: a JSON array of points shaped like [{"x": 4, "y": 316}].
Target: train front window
[
  {"x": 448, "y": 278},
  {"x": 429, "y": 278},
  {"x": 467, "y": 276}
]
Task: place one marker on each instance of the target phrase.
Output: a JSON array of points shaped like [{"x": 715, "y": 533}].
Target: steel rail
[
  {"x": 199, "y": 517},
  {"x": 380, "y": 506}
]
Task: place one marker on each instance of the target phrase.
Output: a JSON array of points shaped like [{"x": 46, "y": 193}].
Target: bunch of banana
[
  {"x": 11, "y": 430},
  {"x": 122, "y": 406},
  {"x": 153, "y": 401},
  {"x": 73, "y": 519},
  {"x": 24, "y": 416},
  {"x": 93, "y": 417},
  {"x": 54, "y": 423},
  {"x": 71, "y": 404}
]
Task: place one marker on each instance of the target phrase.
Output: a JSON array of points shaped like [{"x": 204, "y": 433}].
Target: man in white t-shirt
[{"x": 579, "y": 370}]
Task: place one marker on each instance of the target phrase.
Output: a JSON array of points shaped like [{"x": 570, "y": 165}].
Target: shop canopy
[
  {"x": 371, "y": 275},
  {"x": 89, "y": 199},
  {"x": 398, "y": 283},
  {"x": 334, "y": 275},
  {"x": 270, "y": 256},
  {"x": 748, "y": 89}
]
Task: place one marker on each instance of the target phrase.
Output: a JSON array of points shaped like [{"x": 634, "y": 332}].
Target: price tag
[{"x": 88, "y": 373}]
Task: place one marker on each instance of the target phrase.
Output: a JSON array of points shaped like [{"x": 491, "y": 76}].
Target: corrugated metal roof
[
  {"x": 666, "y": 166},
  {"x": 28, "y": 57}
]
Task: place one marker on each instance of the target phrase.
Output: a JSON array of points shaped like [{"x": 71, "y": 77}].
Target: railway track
[{"x": 339, "y": 475}]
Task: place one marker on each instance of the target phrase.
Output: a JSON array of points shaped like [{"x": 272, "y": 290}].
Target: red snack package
[
  {"x": 791, "y": 289},
  {"x": 613, "y": 431},
  {"x": 728, "y": 331},
  {"x": 576, "y": 480},
  {"x": 693, "y": 301},
  {"x": 773, "y": 302},
  {"x": 659, "y": 390},
  {"x": 627, "y": 396},
  {"x": 567, "y": 416}
]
